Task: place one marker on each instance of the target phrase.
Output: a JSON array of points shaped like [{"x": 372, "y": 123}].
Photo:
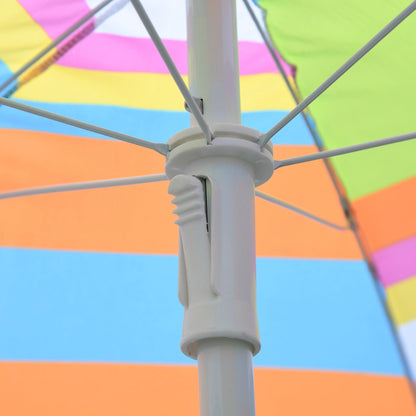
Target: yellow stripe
[
  {"x": 402, "y": 300},
  {"x": 143, "y": 90},
  {"x": 265, "y": 92},
  {"x": 21, "y": 35}
]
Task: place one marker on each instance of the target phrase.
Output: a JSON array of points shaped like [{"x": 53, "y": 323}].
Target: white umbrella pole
[
  {"x": 213, "y": 59},
  {"x": 217, "y": 283},
  {"x": 225, "y": 368},
  {"x": 224, "y": 364},
  {"x": 213, "y": 184}
]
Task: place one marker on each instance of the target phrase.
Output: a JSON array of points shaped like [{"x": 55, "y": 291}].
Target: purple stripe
[
  {"x": 108, "y": 52},
  {"x": 396, "y": 262}
]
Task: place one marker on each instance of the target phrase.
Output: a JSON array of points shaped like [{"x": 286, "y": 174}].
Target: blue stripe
[
  {"x": 73, "y": 306},
  {"x": 323, "y": 314},
  {"x": 70, "y": 306},
  {"x": 157, "y": 126}
]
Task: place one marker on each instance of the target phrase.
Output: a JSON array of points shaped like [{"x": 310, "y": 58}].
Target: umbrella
[{"x": 90, "y": 321}]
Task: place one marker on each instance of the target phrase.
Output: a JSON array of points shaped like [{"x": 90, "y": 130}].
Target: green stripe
[{"x": 375, "y": 99}]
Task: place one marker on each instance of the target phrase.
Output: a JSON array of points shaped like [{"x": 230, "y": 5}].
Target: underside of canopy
[
  {"x": 80, "y": 270},
  {"x": 374, "y": 99}
]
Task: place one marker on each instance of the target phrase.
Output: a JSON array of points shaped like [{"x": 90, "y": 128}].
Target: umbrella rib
[
  {"x": 161, "y": 148},
  {"x": 58, "y": 40},
  {"x": 79, "y": 186},
  {"x": 173, "y": 69},
  {"x": 344, "y": 150},
  {"x": 300, "y": 211},
  {"x": 337, "y": 74}
]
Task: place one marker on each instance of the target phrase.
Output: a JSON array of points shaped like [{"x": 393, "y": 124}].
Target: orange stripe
[
  {"x": 139, "y": 219},
  {"x": 388, "y": 216},
  {"x": 291, "y": 392},
  {"x": 283, "y": 233},
  {"x": 111, "y": 389}
]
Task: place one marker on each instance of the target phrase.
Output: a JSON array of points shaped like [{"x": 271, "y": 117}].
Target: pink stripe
[
  {"x": 107, "y": 52},
  {"x": 396, "y": 262},
  {"x": 255, "y": 59},
  {"x": 55, "y": 16}
]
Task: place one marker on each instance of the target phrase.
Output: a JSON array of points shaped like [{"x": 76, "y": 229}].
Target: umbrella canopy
[{"x": 89, "y": 315}]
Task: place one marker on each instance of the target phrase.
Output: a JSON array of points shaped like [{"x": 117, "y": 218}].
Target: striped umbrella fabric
[
  {"x": 89, "y": 317},
  {"x": 372, "y": 101}
]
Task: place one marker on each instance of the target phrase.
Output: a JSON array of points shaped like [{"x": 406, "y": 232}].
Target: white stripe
[
  {"x": 407, "y": 334},
  {"x": 169, "y": 18},
  {"x": 247, "y": 30},
  {"x": 112, "y": 9}
]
